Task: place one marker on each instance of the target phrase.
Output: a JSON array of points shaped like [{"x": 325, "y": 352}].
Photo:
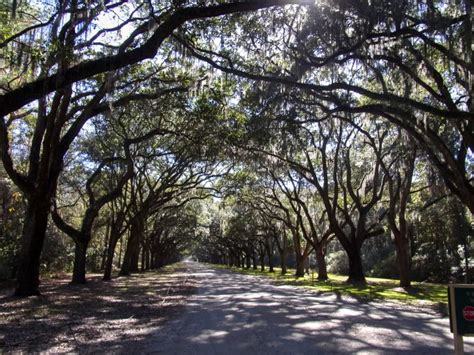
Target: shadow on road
[{"x": 239, "y": 314}]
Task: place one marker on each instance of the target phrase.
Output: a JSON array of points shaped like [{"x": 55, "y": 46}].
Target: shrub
[{"x": 337, "y": 262}]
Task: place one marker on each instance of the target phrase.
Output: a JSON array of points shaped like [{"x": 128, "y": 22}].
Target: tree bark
[
  {"x": 299, "y": 266},
  {"x": 283, "y": 254},
  {"x": 34, "y": 232},
  {"x": 262, "y": 262},
  {"x": 130, "y": 259},
  {"x": 356, "y": 271},
  {"x": 126, "y": 263},
  {"x": 321, "y": 260},
  {"x": 147, "y": 258},
  {"x": 143, "y": 256},
  {"x": 403, "y": 258},
  {"x": 110, "y": 259},
  {"x": 108, "y": 238},
  {"x": 79, "y": 268},
  {"x": 269, "y": 251},
  {"x": 135, "y": 257},
  {"x": 247, "y": 261},
  {"x": 113, "y": 240}
]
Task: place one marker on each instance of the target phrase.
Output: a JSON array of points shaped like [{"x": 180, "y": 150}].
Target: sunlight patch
[{"x": 208, "y": 335}]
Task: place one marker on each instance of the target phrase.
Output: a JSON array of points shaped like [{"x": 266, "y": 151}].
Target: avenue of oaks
[{"x": 135, "y": 132}]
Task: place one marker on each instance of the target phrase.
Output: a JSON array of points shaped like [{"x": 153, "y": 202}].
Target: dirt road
[{"x": 238, "y": 314}]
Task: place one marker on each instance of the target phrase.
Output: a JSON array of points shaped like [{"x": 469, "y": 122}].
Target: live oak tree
[
  {"x": 332, "y": 162},
  {"x": 278, "y": 197},
  {"x": 315, "y": 229},
  {"x": 96, "y": 198},
  {"x": 399, "y": 170}
]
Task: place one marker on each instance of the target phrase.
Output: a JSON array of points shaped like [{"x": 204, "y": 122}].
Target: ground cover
[
  {"x": 376, "y": 288},
  {"x": 99, "y": 316}
]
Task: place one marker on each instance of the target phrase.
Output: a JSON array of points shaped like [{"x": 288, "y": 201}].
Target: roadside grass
[{"x": 376, "y": 288}]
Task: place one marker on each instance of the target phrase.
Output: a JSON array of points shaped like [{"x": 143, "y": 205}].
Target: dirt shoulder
[{"x": 99, "y": 316}]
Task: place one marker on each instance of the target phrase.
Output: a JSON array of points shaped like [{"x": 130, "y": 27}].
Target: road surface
[{"x": 238, "y": 314}]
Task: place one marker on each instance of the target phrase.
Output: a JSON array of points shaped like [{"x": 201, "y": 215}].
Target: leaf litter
[{"x": 99, "y": 316}]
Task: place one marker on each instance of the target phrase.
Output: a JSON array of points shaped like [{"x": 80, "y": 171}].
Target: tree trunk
[
  {"x": 152, "y": 260},
  {"x": 299, "y": 268},
  {"x": 142, "y": 266},
  {"x": 130, "y": 259},
  {"x": 270, "y": 264},
  {"x": 108, "y": 237},
  {"x": 110, "y": 259},
  {"x": 321, "y": 260},
  {"x": 269, "y": 251},
  {"x": 147, "y": 258},
  {"x": 79, "y": 269},
  {"x": 127, "y": 257},
  {"x": 306, "y": 265},
  {"x": 300, "y": 255},
  {"x": 254, "y": 261},
  {"x": 403, "y": 258},
  {"x": 119, "y": 261},
  {"x": 283, "y": 261},
  {"x": 34, "y": 232},
  {"x": 247, "y": 261},
  {"x": 356, "y": 272},
  {"x": 135, "y": 257}
]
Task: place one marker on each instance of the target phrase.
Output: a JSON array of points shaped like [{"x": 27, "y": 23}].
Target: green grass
[{"x": 376, "y": 288}]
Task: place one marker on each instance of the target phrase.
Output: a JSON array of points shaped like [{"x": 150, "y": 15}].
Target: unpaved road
[{"x": 239, "y": 314}]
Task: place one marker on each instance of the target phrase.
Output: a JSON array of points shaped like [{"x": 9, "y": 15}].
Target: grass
[{"x": 376, "y": 288}]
